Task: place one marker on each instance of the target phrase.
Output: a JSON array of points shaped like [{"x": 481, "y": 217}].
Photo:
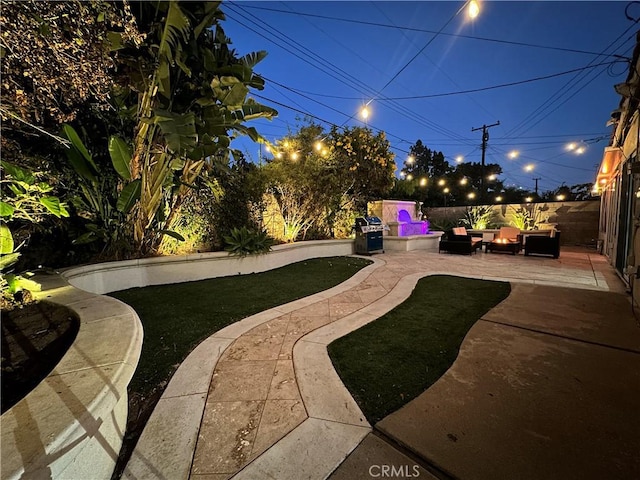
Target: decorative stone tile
[
  {"x": 226, "y": 436},
  {"x": 283, "y": 385},
  {"x": 339, "y": 310},
  {"x": 272, "y": 328},
  {"x": 303, "y": 325},
  {"x": 279, "y": 417},
  {"x": 249, "y": 380},
  {"x": 253, "y": 347}
]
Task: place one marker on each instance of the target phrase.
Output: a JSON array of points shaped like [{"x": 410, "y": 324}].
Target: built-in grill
[{"x": 368, "y": 235}]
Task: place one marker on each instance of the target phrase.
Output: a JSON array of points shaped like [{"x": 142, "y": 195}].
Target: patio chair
[
  {"x": 458, "y": 241},
  {"x": 539, "y": 245}
]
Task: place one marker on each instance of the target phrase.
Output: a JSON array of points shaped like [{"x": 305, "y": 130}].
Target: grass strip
[
  {"x": 395, "y": 358},
  {"x": 177, "y": 317}
]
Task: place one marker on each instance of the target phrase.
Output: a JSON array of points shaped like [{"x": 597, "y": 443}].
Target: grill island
[{"x": 368, "y": 235}]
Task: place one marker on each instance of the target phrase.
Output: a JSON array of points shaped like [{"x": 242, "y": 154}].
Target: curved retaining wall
[
  {"x": 114, "y": 276},
  {"x": 71, "y": 425}
]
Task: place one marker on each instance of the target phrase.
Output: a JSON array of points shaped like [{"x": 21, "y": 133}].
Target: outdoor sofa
[{"x": 458, "y": 241}]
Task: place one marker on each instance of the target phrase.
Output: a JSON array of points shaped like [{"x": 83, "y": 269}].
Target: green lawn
[
  {"x": 176, "y": 318},
  {"x": 392, "y": 360}
]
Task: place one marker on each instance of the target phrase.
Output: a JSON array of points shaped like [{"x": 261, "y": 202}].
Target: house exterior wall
[{"x": 618, "y": 182}]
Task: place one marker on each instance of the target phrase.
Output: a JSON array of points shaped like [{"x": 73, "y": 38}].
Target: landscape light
[
  {"x": 471, "y": 196},
  {"x": 459, "y": 159},
  {"x": 441, "y": 182},
  {"x": 492, "y": 176},
  {"x": 528, "y": 199},
  {"x": 294, "y": 155},
  {"x": 409, "y": 177},
  {"x": 410, "y": 159},
  {"x": 463, "y": 181},
  {"x": 513, "y": 154},
  {"x": 318, "y": 146},
  {"x": 498, "y": 198},
  {"x": 580, "y": 150},
  {"x": 279, "y": 154},
  {"x": 571, "y": 146},
  {"x": 402, "y": 174},
  {"x": 446, "y": 190},
  {"x": 423, "y": 182},
  {"x": 560, "y": 198},
  {"x": 528, "y": 168},
  {"x": 267, "y": 148}
]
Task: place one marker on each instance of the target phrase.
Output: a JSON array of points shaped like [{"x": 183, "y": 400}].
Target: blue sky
[{"x": 328, "y": 59}]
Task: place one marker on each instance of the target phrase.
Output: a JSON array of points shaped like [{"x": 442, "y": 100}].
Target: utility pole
[
  {"x": 485, "y": 139},
  {"x": 536, "y": 180}
]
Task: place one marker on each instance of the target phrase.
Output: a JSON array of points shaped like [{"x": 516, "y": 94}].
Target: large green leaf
[
  {"x": 6, "y": 210},
  {"x": 211, "y": 13},
  {"x": 164, "y": 78},
  {"x": 18, "y": 173},
  {"x": 18, "y": 283},
  {"x": 253, "y": 58},
  {"x": 114, "y": 40},
  {"x": 179, "y": 130},
  {"x": 54, "y": 206},
  {"x": 172, "y": 234},
  {"x": 79, "y": 157},
  {"x": 120, "y": 156},
  {"x": 6, "y": 240},
  {"x": 233, "y": 96},
  {"x": 129, "y": 196},
  {"x": 73, "y": 137},
  {"x": 176, "y": 25},
  {"x": 7, "y": 260}
]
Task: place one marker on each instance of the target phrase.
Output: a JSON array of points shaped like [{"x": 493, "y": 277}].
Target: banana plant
[
  {"x": 191, "y": 106},
  {"x": 98, "y": 196}
]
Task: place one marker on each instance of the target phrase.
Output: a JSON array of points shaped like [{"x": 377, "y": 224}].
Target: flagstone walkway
[{"x": 247, "y": 404}]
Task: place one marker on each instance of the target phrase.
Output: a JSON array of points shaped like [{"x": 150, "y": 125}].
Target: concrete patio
[{"x": 260, "y": 399}]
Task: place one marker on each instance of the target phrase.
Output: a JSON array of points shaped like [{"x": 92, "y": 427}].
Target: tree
[
  {"x": 365, "y": 162},
  {"x": 315, "y": 176},
  {"x": 426, "y": 162}
]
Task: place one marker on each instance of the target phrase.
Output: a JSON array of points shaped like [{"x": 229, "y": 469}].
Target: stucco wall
[{"x": 578, "y": 221}]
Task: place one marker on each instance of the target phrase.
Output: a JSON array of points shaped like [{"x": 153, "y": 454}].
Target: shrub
[
  {"x": 526, "y": 219},
  {"x": 478, "y": 218},
  {"x": 243, "y": 241}
]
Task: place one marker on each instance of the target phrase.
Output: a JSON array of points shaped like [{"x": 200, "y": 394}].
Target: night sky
[{"x": 409, "y": 61}]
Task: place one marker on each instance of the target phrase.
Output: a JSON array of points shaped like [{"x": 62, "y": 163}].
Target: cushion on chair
[{"x": 459, "y": 231}]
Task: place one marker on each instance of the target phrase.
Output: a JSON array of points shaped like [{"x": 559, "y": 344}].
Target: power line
[
  {"x": 463, "y": 92},
  {"x": 434, "y": 63},
  {"x": 397, "y": 74},
  {"x": 421, "y": 30},
  {"x": 561, "y": 91},
  {"x": 415, "y": 116}
]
